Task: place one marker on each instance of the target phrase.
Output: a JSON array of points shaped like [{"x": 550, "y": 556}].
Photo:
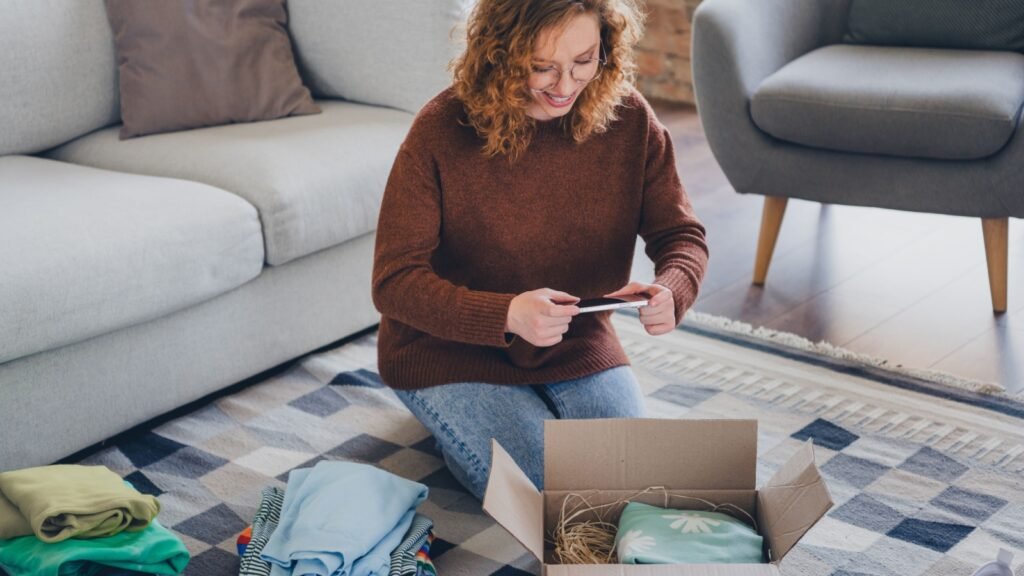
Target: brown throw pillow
[{"x": 191, "y": 63}]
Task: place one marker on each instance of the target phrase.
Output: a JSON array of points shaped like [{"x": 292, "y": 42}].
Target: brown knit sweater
[{"x": 460, "y": 235}]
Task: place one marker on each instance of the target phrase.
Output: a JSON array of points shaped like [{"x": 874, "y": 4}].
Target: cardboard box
[{"x": 715, "y": 460}]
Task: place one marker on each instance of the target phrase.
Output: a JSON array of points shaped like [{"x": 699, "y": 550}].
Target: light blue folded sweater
[{"x": 341, "y": 519}]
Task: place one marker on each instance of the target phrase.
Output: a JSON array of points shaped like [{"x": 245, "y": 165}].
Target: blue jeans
[{"x": 463, "y": 417}]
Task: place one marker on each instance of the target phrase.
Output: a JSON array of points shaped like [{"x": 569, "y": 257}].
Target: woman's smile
[{"x": 559, "y": 101}]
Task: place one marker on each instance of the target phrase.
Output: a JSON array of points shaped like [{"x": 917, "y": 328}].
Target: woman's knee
[
  {"x": 464, "y": 426},
  {"x": 470, "y": 476},
  {"x": 628, "y": 398},
  {"x": 612, "y": 393},
  {"x": 467, "y": 466}
]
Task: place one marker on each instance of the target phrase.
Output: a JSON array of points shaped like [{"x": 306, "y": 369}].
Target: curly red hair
[{"x": 490, "y": 77}]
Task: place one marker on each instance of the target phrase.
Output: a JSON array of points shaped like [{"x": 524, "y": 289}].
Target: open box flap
[
  {"x": 792, "y": 501},
  {"x": 514, "y": 502},
  {"x": 632, "y": 454}
]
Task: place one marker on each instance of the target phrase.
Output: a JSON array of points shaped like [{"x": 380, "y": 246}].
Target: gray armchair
[{"x": 791, "y": 112}]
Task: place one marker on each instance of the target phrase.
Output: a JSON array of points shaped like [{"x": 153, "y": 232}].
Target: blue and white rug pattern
[{"x": 924, "y": 483}]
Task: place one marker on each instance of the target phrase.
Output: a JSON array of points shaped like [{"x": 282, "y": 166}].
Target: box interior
[
  {"x": 745, "y": 500},
  {"x": 637, "y": 453}
]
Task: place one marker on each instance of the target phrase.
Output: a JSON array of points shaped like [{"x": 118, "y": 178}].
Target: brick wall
[{"x": 664, "y": 52}]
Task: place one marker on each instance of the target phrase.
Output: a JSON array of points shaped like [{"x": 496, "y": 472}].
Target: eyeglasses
[{"x": 582, "y": 71}]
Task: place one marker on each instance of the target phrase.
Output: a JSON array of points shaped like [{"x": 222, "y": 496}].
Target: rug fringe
[{"x": 790, "y": 340}]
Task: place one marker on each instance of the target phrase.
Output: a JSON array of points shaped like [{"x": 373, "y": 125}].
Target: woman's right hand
[{"x": 537, "y": 317}]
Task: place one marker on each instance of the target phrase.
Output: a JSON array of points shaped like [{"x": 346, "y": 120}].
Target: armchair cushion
[
  {"x": 968, "y": 24},
  {"x": 913, "y": 102}
]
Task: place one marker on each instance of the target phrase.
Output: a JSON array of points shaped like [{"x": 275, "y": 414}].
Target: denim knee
[{"x": 612, "y": 393}]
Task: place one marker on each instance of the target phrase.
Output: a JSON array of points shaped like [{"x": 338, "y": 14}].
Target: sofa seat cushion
[
  {"x": 915, "y": 102},
  {"x": 316, "y": 181},
  {"x": 86, "y": 251}
]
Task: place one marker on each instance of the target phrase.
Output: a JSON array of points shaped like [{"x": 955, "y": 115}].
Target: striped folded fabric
[
  {"x": 403, "y": 559},
  {"x": 424, "y": 565},
  {"x": 252, "y": 541}
]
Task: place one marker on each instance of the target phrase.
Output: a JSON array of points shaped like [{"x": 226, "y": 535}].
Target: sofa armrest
[
  {"x": 392, "y": 53},
  {"x": 736, "y": 45}
]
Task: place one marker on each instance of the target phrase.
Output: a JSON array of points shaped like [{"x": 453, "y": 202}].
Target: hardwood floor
[{"x": 908, "y": 287}]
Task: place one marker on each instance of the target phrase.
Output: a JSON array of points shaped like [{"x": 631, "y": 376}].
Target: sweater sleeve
[
  {"x": 673, "y": 236},
  {"x": 405, "y": 285}
]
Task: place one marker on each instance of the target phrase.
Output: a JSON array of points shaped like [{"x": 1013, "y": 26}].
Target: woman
[{"x": 519, "y": 190}]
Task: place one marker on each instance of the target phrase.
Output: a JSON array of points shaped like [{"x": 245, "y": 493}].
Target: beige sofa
[{"x": 137, "y": 276}]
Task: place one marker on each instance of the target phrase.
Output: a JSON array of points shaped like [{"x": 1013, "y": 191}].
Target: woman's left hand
[{"x": 659, "y": 316}]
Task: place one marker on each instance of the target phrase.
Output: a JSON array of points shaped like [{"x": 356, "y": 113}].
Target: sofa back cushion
[
  {"x": 391, "y": 53},
  {"x": 964, "y": 24},
  {"x": 58, "y": 75}
]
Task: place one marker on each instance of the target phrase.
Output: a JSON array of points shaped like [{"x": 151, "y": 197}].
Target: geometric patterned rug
[{"x": 926, "y": 481}]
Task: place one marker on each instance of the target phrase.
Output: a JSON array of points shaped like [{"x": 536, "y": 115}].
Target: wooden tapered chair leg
[
  {"x": 771, "y": 222},
  {"x": 996, "y": 232}
]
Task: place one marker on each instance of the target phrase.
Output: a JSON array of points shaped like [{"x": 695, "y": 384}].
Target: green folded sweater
[
  {"x": 652, "y": 535},
  {"x": 70, "y": 501},
  {"x": 153, "y": 550}
]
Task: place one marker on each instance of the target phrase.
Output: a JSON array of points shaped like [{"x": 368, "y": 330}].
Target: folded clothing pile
[
  {"x": 652, "y": 535},
  {"x": 339, "y": 518},
  {"x": 67, "y": 520}
]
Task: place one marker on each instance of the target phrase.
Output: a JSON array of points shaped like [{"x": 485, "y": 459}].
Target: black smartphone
[{"x": 614, "y": 303}]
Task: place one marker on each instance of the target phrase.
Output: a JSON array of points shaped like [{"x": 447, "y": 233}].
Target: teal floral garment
[{"x": 652, "y": 535}]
